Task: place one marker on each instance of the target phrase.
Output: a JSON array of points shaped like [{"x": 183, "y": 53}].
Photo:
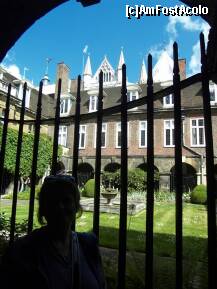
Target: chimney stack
[
  {"x": 63, "y": 73},
  {"x": 182, "y": 68}
]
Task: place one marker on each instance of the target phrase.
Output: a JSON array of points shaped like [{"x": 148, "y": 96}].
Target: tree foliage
[
  {"x": 44, "y": 153},
  {"x": 136, "y": 181}
]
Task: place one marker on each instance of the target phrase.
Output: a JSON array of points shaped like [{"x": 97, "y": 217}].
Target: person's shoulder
[
  {"x": 89, "y": 238},
  {"x": 25, "y": 244},
  {"x": 88, "y": 242}
]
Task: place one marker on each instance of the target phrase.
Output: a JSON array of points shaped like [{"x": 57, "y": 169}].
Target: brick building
[
  {"x": 193, "y": 149},
  {"x": 17, "y": 82}
]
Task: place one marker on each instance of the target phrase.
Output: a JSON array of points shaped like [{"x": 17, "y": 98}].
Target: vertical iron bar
[
  {"x": 76, "y": 138},
  {"x": 56, "y": 131},
  {"x": 150, "y": 180},
  {"x": 98, "y": 157},
  {"x": 178, "y": 167},
  {"x": 76, "y": 131},
  {"x": 34, "y": 160},
  {"x": 211, "y": 184},
  {"x": 4, "y": 137},
  {"x": 17, "y": 166},
  {"x": 123, "y": 191}
]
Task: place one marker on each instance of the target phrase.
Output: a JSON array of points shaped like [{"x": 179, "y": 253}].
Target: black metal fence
[{"x": 123, "y": 108}]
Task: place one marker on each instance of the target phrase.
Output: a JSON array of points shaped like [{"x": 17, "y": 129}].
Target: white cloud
[
  {"x": 194, "y": 64},
  {"x": 185, "y": 22},
  {"x": 13, "y": 69},
  {"x": 188, "y": 24},
  {"x": 158, "y": 49}
]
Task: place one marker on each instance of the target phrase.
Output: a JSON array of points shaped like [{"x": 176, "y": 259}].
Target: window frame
[
  {"x": 105, "y": 131},
  {"x": 171, "y": 102},
  {"x": 197, "y": 132},
  {"x": 62, "y": 135},
  {"x": 91, "y": 98},
  {"x": 116, "y": 134},
  {"x": 213, "y": 86},
  {"x": 140, "y": 130},
  {"x": 171, "y": 134},
  {"x": 85, "y": 135},
  {"x": 130, "y": 94},
  {"x": 62, "y": 101}
]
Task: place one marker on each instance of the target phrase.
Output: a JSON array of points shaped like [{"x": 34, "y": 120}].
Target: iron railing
[{"x": 123, "y": 108}]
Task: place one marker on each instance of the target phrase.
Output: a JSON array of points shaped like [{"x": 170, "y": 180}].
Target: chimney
[
  {"x": 63, "y": 73},
  {"x": 182, "y": 68}
]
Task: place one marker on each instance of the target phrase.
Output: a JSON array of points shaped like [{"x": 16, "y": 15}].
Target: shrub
[
  {"x": 89, "y": 188},
  {"x": 111, "y": 179},
  {"x": 25, "y": 195},
  {"x": 4, "y": 222},
  {"x": 136, "y": 180},
  {"x": 199, "y": 195}
]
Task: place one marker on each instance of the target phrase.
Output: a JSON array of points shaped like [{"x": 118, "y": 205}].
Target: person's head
[{"x": 59, "y": 201}]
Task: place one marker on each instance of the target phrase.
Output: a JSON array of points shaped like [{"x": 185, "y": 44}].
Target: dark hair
[{"x": 56, "y": 184}]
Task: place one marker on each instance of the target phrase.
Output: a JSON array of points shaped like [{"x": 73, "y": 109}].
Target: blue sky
[{"x": 63, "y": 33}]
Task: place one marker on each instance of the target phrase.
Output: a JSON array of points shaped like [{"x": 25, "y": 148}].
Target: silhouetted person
[{"x": 54, "y": 257}]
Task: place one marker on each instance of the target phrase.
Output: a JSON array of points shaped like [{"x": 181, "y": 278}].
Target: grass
[{"x": 194, "y": 243}]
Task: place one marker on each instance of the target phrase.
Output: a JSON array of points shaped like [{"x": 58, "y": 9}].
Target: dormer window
[
  {"x": 65, "y": 106},
  {"x": 132, "y": 95},
  {"x": 168, "y": 101},
  {"x": 213, "y": 93},
  {"x": 93, "y": 103}
]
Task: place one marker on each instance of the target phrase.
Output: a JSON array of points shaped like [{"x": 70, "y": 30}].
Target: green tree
[{"x": 44, "y": 153}]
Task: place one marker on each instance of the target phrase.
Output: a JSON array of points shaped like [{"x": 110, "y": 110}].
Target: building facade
[
  {"x": 193, "y": 149},
  {"x": 48, "y": 103}
]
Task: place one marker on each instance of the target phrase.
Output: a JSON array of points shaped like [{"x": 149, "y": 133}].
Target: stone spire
[
  {"x": 119, "y": 69},
  {"x": 163, "y": 70},
  {"x": 143, "y": 73},
  {"x": 87, "y": 71}
]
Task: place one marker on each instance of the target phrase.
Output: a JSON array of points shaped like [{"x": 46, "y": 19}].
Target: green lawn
[
  {"x": 194, "y": 228},
  {"x": 194, "y": 243}
]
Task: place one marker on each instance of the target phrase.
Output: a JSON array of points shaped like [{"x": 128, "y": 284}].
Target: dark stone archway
[
  {"x": 143, "y": 167},
  {"x": 189, "y": 178},
  {"x": 85, "y": 172},
  {"x": 112, "y": 167}
]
